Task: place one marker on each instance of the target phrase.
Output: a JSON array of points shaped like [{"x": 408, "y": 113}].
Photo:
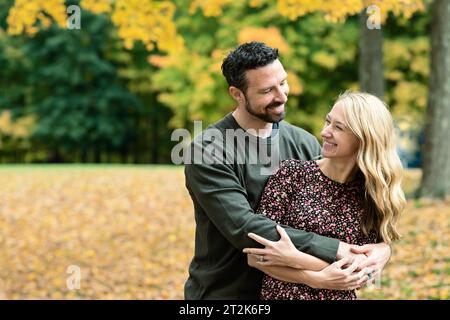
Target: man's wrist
[{"x": 343, "y": 250}]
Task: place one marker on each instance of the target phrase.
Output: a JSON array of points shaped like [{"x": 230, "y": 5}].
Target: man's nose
[{"x": 281, "y": 95}]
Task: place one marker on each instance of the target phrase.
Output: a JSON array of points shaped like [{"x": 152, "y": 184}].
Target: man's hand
[{"x": 378, "y": 255}]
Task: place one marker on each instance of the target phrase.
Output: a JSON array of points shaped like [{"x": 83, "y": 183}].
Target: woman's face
[{"x": 338, "y": 140}]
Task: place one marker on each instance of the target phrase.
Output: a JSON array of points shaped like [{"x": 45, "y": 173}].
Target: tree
[
  {"x": 84, "y": 105},
  {"x": 370, "y": 40},
  {"x": 436, "y": 166},
  {"x": 370, "y": 62},
  {"x": 150, "y": 22},
  {"x": 80, "y": 102}
]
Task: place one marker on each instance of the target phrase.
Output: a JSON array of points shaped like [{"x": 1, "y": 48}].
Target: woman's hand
[
  {"x": 276, "y": 253},
  {"x": 341, "y": 275},
  {"x": 378, "y": 255}
]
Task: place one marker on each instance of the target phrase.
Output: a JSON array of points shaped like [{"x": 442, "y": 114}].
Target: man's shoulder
[
  {"x": 227, "y": 122},
  {"x": 295, "y": 132},
  {"x": 216, "y": 129}
]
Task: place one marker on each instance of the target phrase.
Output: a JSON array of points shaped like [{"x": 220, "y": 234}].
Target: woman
[{"x": 352, "y": 194}]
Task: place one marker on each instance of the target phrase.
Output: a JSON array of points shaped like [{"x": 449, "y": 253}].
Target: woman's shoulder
[
  {"x": 294, "y": 167},
  {"x": 294, "y": 164}
]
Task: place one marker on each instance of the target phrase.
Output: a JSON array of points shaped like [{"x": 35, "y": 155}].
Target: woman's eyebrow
[{"x": 328, "y": 117}]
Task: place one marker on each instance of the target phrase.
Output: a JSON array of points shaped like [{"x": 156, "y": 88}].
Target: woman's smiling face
[{"x": 338, "y": 139}]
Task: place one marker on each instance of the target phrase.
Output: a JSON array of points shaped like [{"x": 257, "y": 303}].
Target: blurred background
[{"x": 90, "y": 92}]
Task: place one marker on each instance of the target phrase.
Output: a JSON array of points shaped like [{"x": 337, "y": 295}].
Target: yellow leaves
[
  {"x": 217, "y": 57},
  {"x": 324, "y": 59},
  {"x": 406, "y": 7},
  {"x": 211, "y": 8},
  {"x": 255, "y": 3},
  {"x": 334, "y": 10},
  {"x": 129, "y": 230},
  {"x": 420, "y": 261},
  {"x": 421, "y": 65},
  {"x": 271, "y": 36},
  {"x": 394, "y": 75},
  {"x": 295, "y": 86},
  {"x": 5, "y": 121},
  {"x": 17, "y": 129},
  {"x": 396, "y": 53},
  {"x": 148, "y": 21},
  {"x": 97, "y": 6},
  {"x": 24, "y": 14},
  {"x": 339, "y": 10},
  {"x": 409, "y": 95}
]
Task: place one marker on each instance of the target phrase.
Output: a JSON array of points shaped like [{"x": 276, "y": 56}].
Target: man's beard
[{"x": 271, "y": 118}]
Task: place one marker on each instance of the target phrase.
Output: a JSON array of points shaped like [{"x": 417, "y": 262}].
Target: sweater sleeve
[{"x": 217, "y": 190}]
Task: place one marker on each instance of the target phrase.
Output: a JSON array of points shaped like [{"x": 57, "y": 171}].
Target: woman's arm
[
  {"x": 340, "y": 275},
  {"x": 287, "y": 274},
  {"x": 284, "y": 253}
]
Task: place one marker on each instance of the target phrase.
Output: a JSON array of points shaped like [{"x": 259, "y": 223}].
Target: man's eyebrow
[{"x": 269, "y": 87}]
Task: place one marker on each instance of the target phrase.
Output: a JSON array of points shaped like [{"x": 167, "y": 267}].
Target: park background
[{"x": 90, "y": 95}]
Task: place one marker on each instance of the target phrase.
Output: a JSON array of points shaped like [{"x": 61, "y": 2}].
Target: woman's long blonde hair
[{"x": 370, "y": 120}]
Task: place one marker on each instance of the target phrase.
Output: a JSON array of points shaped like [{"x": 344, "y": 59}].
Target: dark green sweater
[{"x": 225, "y": 196}]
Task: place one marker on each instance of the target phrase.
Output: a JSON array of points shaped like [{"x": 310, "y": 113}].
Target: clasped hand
[{"x": 348, "y": 273}]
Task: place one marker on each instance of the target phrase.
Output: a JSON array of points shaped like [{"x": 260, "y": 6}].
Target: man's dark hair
[{"x": 248, "y": 56}]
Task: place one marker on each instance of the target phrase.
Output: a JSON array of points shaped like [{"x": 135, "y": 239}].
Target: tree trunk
[
  {"x": 371, "y": 77},
  {"x": 154, "y": 125},
  {"x": 436, "y": 151}
]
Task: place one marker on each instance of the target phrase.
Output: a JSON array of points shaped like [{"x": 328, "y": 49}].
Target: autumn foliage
[{"x": 131, "y": 232}]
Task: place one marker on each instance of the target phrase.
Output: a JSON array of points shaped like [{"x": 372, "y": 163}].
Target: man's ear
[{"x": 236, "y": 94}]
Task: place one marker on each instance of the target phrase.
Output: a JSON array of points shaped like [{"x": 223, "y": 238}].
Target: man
[{"x": 226, "y": 192}]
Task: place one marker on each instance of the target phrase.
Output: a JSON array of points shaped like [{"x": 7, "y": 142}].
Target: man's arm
[{"x": 221, "y": 196}]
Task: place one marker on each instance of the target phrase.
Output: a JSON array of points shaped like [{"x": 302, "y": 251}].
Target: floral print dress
[{"x": 299, "y": 195}]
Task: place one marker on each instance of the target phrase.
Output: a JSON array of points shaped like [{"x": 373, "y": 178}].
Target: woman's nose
[{"x": 325, "y": 133}]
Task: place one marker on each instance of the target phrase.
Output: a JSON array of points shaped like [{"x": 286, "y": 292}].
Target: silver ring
[{"x": 261, "y": 259}]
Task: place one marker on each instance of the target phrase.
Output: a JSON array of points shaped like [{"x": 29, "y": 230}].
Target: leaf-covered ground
[{"x": 130, "y": 230}]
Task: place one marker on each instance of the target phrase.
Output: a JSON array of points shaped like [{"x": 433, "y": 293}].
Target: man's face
[{"x": 267, "y": 92}]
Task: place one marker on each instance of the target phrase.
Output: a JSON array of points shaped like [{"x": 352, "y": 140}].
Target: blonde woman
[{"x": 353, "y": 194}]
